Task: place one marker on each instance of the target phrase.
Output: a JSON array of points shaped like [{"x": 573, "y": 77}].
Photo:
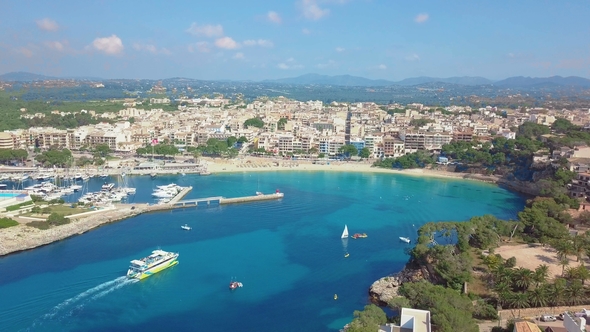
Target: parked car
[{"x": 548, "y": 318}]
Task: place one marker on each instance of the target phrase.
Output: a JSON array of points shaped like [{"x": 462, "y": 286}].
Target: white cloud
[
  {"x": 305, "y": 31},
  {"x": 311, "y": 10},
  {"x": 109, "y": 45},
  {"x": 150, "y": 48},
  {"x": 340, "y": 49},
  {"x": 329, "y": 64},
  {"x": 47, "y": 24},
  {"x": 208, "y": 30},
  {"x": 289, "y": 64},
  {"x": 274, "y": 17},
  {"x": 55, "y": 45},
  {"x": 202, "y": 47},
  {"x": 421, "y": 18},
  {"x": 413, "y": 57},
  {"x": 259, "y": 42},
  {"x": 27, "y": 53},
  {"x": 226, "y": 43},
  {"x": 382, "y": 67},
  {"x": 239, "y": 56}
]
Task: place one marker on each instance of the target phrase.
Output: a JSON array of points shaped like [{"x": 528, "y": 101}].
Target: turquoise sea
[{"x": 287, "y": 253}]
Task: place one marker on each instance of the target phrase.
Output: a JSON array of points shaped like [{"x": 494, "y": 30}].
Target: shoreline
[
  {"x": 253, "y": 164},
  {"x": 21, "y": 237}
]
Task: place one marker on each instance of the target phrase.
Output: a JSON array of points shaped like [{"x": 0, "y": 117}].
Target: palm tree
[
  {"x": 578, "y": 246},
  {"x": 557, "y": 292},
  {"x": 563, "y": 261},
  {"x": 539, "y": 297},
  {"x": 519, "y": 301},
  {"x": 541, "y": 274},
  {"x": 574, "y": 292},
  {"x": 524, "y": 278},
  {"x": 583, "y": 273}
]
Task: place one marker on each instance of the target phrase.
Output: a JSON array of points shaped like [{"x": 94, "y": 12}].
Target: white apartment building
[{"x": 286, "y": 143}]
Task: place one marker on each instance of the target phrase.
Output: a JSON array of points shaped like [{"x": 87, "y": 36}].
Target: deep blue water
[{"x": 287, "y": 253}]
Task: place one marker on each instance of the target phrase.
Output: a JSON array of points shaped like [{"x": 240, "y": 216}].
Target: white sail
[{"x": 345, "y": 233}]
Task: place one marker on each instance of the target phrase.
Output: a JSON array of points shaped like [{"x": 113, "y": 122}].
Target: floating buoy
[{"x": 335, "y": 296}]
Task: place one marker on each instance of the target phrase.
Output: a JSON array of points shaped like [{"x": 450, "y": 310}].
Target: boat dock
[
  {"x": 180, "y": 195},
  {"x": 219, "y": 200}
]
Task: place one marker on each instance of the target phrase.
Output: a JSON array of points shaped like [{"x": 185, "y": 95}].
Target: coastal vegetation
[
  {"x": 8, "y": 155},
  {"x": 367, "y": 320},
  {"x": 55, "y": 157},
  {"x": 18, "y": 206},
  {"x": 7, "y": 222},
  {"x": 452, "y": 255}
]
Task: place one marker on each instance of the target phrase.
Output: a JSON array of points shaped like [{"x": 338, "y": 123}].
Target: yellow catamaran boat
[{"x": 154, "y": 263}]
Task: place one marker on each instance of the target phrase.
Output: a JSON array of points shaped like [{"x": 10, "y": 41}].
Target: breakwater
[{"x": 23, "y": 237}]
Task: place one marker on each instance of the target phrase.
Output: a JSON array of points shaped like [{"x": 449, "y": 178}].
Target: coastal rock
[{"x": 387, "y": 288}]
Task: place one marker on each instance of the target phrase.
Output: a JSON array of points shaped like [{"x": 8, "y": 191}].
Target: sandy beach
[{"x": 253, "y": 164}]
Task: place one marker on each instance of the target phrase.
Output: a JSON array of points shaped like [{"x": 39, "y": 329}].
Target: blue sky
[{"x": 257, "y": 39}]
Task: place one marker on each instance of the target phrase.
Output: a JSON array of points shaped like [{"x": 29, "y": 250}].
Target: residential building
[{"x": 411, "y": 320}]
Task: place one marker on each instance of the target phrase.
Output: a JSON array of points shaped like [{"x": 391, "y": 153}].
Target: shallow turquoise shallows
[{"x": 288, "y": 254}]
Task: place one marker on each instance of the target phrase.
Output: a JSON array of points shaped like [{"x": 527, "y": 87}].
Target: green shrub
[
  {"x": 36, "y": 198},
  {"x": 7, "y": 222},
  {"x": 18, "y": 206},
  {"x": 56, "y": 219},
  {"x": 46, "y": 210},
  {"x": 485, "y": 311},
  {"x": 39, "y": 224},
  {"x": 510, "y": 262},
  {"x": 36, "y": 209}
]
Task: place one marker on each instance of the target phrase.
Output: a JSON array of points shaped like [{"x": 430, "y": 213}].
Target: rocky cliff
[{"x": 385, "y": 289}]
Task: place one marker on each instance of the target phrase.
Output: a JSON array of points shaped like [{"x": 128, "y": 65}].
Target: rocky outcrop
[{"x": 385, "y": 289}]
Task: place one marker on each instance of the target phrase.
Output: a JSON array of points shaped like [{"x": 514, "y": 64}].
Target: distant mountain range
[
  {"x": 348, "y": 80},
  {"x": 519, "y": 81},
  {"x": 21, "y": 76}
]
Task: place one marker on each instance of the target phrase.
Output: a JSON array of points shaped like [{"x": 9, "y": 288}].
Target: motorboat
[
  {"x": 235, "y": 284},
  {"x": 107, "y": 186},
  {"x": 186, "y": 227},
  {"x": 76, "y": 187},
  {"x": 404, "y": 239},
  {"x": 359, "y": 235}
]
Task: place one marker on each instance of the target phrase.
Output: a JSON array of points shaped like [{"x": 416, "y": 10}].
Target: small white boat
[
  {"x": 186, "y": 227},
  {"x": 405, "y": 239}
]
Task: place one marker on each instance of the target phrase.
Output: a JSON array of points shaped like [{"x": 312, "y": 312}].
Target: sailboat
[{"x": 345, "y": 232}]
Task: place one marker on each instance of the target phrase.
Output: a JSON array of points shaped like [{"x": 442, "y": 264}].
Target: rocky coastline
[
  {"x": 23, "y": 237},
  {"x": 387, "y": 288}
]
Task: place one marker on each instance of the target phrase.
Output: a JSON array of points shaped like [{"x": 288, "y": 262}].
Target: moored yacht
[{"x": 107, "y": 186}]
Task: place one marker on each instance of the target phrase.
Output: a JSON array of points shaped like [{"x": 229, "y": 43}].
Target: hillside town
[{"x": 289, "y": 127}]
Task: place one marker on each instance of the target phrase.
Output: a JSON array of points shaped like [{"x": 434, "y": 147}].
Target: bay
[{"x": 287, "y": 253}]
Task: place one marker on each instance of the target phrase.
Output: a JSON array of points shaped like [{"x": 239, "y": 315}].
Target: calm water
[{"x": 287, "y": 253}]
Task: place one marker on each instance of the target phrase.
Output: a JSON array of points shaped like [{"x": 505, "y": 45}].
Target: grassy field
[{"x": 66, "y": 210}]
